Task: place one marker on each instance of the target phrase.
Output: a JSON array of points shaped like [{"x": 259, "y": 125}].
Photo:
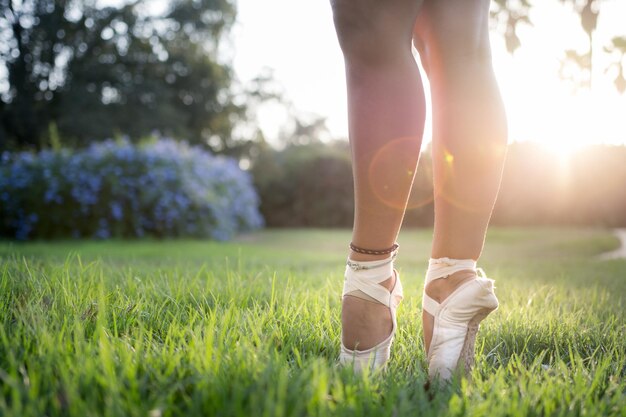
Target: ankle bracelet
[
  {"x": 374, "y": 251},
  {"x": 363, "y": 265}
]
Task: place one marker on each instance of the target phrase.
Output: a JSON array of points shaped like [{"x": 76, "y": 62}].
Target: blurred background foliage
[
  {"x": 95, "y": 72},
  {"x": 75, "y": 75},
  {"x": 311, "y": 185},
  {"x": 305, "y": 185},
  {"x": 576, "y": 65}
]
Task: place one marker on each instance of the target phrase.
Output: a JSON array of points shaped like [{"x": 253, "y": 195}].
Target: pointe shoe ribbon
[
  {"x": 362, "y": 279},
  {"x": 457, "y": 318}
]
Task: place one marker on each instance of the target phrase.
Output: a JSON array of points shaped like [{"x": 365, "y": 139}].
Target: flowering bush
[{"x": 115, "y": 189}]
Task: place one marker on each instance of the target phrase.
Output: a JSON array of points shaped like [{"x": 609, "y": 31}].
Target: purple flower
[{"x": 162, "y": 188}]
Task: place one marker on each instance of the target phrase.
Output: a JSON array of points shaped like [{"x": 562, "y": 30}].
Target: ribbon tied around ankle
[{"x": 366, "y": 276}]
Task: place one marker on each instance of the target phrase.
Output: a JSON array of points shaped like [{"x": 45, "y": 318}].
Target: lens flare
[
  {"x": 453, "y": 177},
  {"x": 392, "y": 172}
]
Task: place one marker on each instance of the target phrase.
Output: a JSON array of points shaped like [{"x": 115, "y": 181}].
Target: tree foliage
[
  {"x": 575, "y": 65},
  {"x": 96, "y": 71},
  {"x": 507, "y": 15}
]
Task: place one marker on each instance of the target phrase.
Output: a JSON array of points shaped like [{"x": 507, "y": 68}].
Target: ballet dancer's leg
[
  {"x": 469, "y": 132},
  {"x": 386, "y": 119}
]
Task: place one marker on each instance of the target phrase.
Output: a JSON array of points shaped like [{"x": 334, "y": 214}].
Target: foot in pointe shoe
[
  {"x": 457, "y": 297},
  {"x": 371, "y": 294}
]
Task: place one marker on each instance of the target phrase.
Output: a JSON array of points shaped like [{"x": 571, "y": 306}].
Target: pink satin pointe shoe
[
  {"x": 362, "y": 279},
  {"x": 457, "y": 318}
]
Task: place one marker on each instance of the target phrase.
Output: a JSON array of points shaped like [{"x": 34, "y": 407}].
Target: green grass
[{"x": 251, "y": 328}]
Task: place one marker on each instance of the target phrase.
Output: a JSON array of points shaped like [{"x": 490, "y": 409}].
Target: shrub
[
  {"x": 306, "y": 185},
  {"x": 161, "y": 188},
  {"x": 312, "y": 186}
]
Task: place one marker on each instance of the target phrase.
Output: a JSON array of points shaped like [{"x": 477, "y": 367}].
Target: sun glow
[
  {"x": 563, "y": 121},
  {"x": 545, "y": 108}
]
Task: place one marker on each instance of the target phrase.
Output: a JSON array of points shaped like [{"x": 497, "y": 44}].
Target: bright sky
[{"x": 297, "y": 40}]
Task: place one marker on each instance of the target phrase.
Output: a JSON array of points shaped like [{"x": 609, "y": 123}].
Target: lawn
[{"x": 251, "y": 328}]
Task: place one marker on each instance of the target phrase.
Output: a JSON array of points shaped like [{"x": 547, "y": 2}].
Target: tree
[
  {"x": 575, "y": 65},
  {"x": 304, "y": 129},
  {"x": 96, "y": 72},
  {"x": 507, "y": 15},
  {"x": 588, "y": 11},
  {"x": 618, "y": 50}
]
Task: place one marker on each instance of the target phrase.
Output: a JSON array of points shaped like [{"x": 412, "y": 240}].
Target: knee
[{"x": 367, "y": 32}]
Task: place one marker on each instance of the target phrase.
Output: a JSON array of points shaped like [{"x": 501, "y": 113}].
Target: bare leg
[
  {"x": 386, "y": 120},
  {"x": 469, "y": 127}
]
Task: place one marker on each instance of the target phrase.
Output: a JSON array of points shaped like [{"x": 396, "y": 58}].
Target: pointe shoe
[
  {"x": 362, "y": 279},
  {"x": 457, "y": 318}
]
